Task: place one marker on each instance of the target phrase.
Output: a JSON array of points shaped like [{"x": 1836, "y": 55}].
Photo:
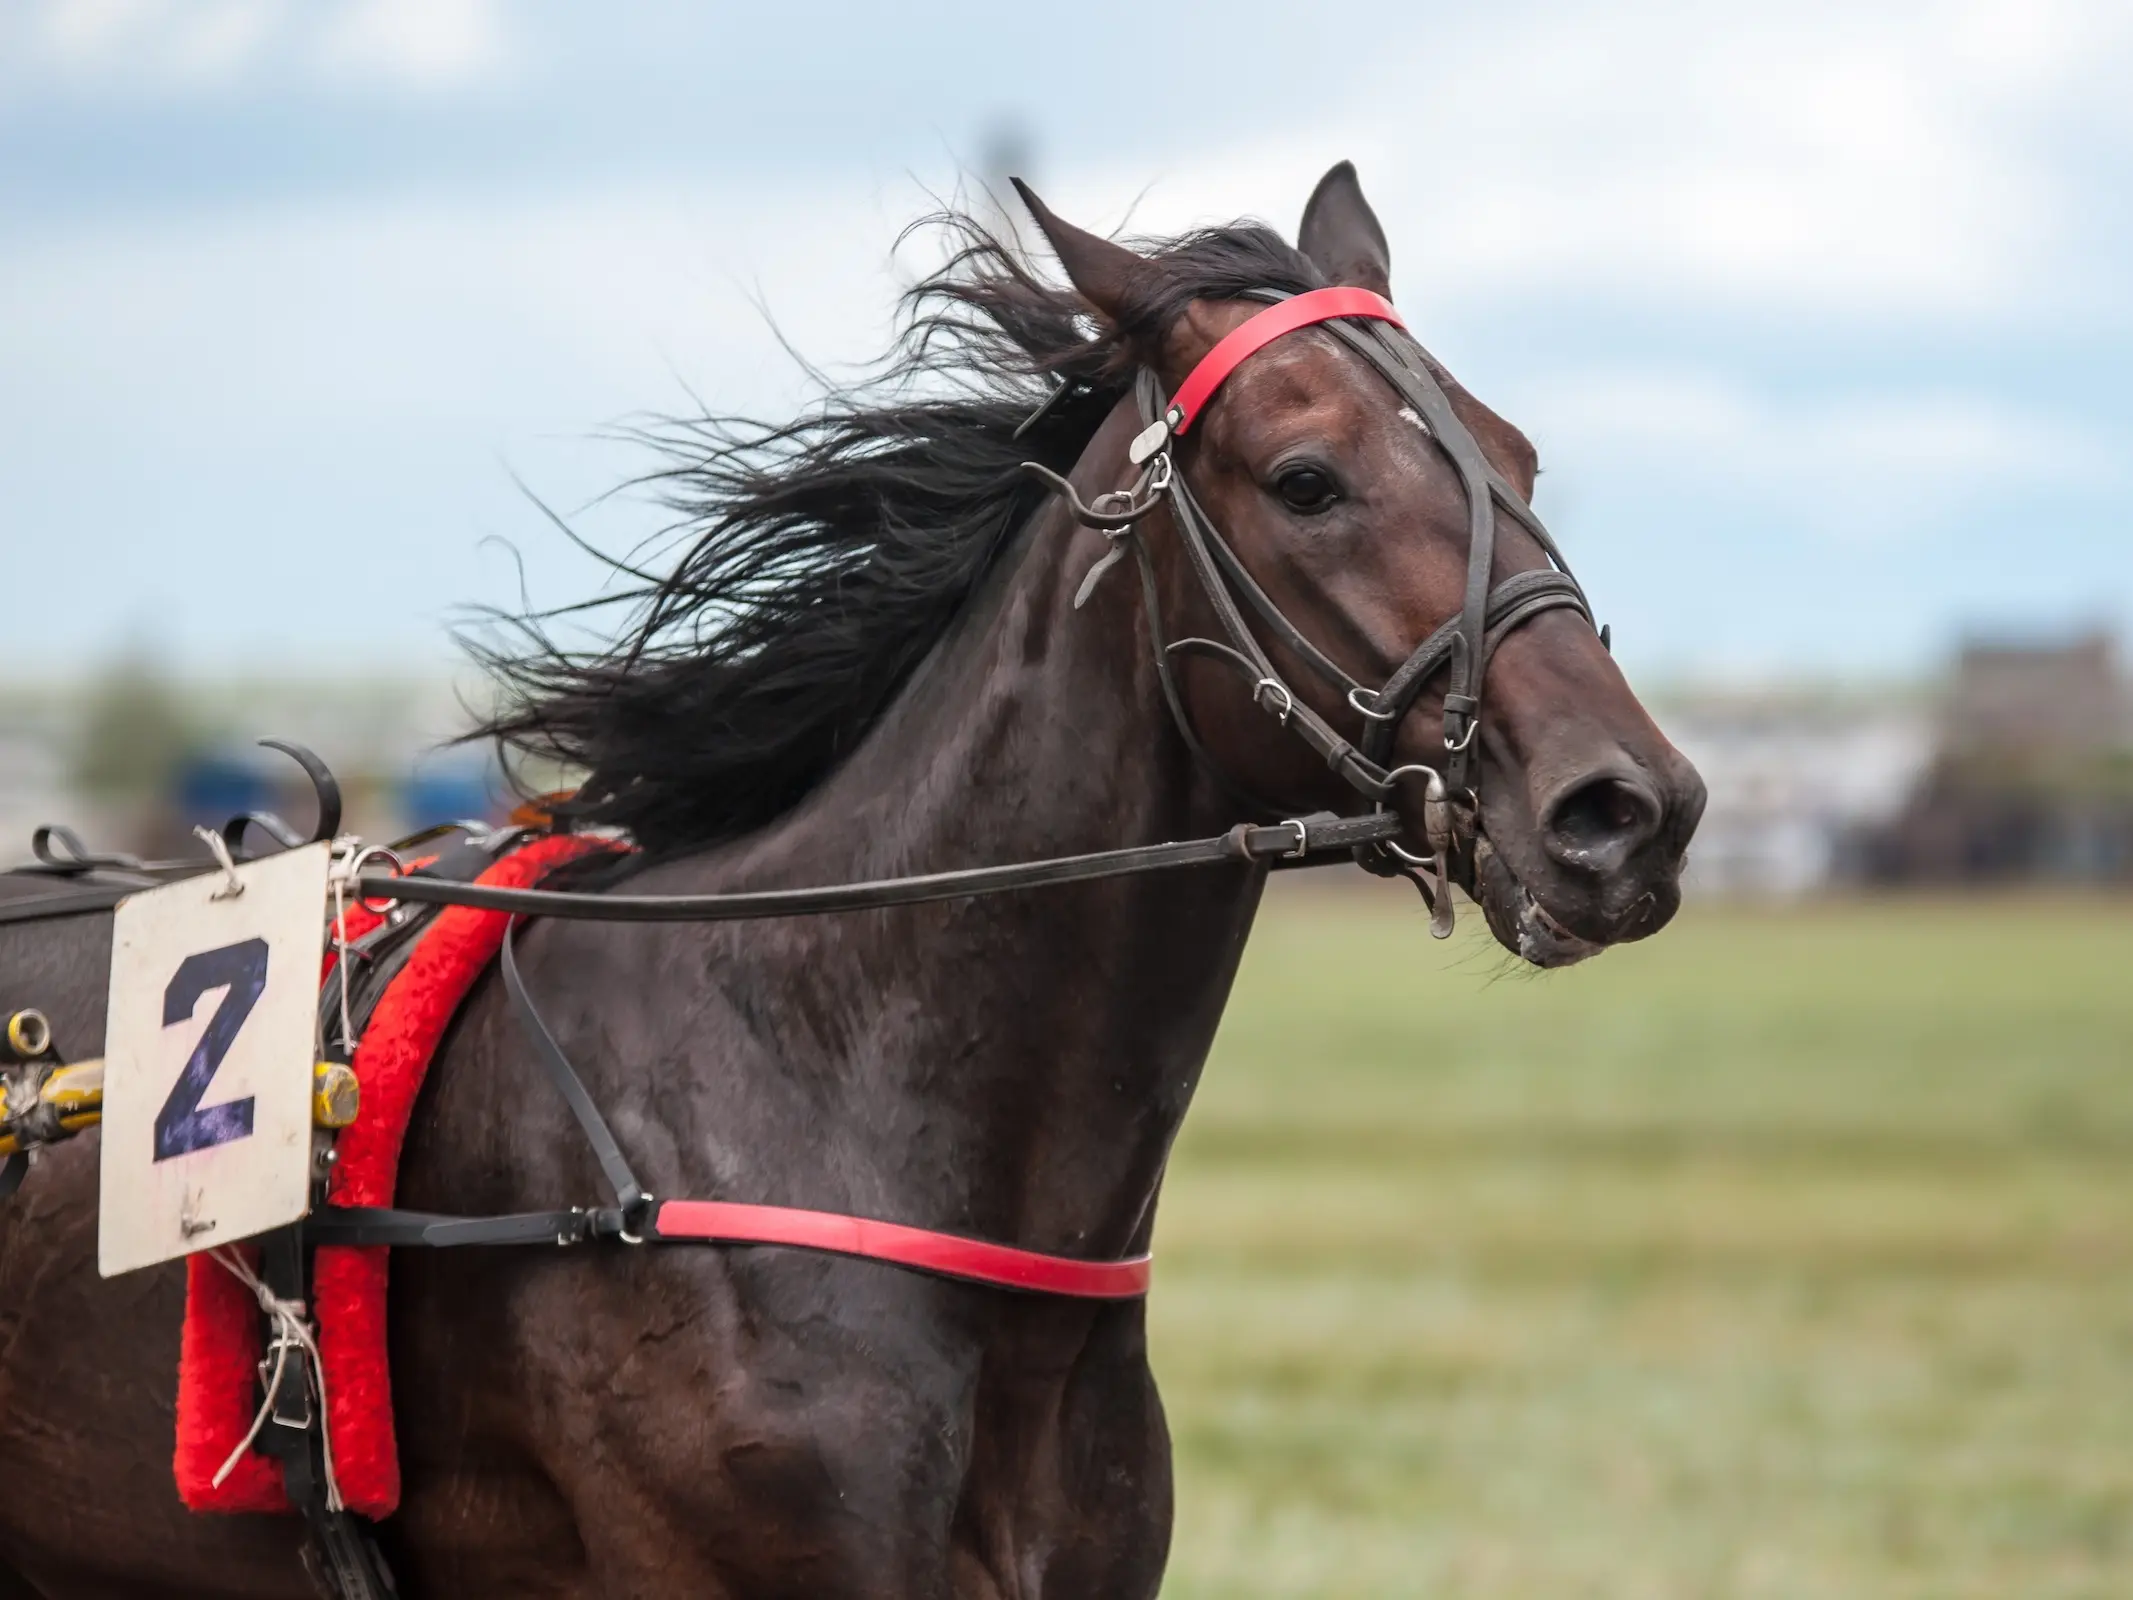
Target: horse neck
[{"x": 1025, "y": 1059}]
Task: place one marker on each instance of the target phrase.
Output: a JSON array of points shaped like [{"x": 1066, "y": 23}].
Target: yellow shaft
[{"x": 77, "y": 1092}]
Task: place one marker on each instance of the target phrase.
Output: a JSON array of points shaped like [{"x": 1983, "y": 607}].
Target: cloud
[
  {"x": 204, "y": 43},
  {"x": 79, "y": 32},
  {"x": 422, "y": 43},
  {"x": 426, "y": 308},
  {"x": 1903, "y": 161},
  {"x": 1869, "y": 464},
  {"x": 351, "y": 382},
  {"x": 214, "y": 44},
  {"x": 1846, "y": 272}
]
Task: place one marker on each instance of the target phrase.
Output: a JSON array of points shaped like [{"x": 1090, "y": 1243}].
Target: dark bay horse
[{"x": 869, "y": 662}]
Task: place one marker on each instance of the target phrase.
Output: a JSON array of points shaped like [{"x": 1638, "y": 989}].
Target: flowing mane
[{"x": 823, "y": 557}]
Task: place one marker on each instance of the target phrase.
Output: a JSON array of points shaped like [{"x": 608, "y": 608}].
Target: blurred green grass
[{"x": 1789, "y": 1254}]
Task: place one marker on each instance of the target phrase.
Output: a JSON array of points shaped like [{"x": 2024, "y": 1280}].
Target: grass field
[{"x": 1790, "y": 1254}]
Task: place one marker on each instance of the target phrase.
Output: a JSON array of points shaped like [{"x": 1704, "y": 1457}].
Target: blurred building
[
  {"x": 1794, "y": 778},
  {"x": 2031, "y": 777},
  {"x": 2019, "y": 768}
]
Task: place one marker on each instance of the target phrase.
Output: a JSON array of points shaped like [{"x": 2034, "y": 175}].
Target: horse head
[{"x": 1375, "y": 504}]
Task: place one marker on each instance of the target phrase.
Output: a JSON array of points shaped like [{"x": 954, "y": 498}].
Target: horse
[{"x": 882, "y": 648}]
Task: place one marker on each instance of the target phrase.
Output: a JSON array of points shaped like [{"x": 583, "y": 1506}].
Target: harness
[
  {"x": 1464, "y": 644},
  {"x": 1461, "y": 646}
]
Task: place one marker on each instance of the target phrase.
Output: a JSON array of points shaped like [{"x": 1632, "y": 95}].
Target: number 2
[{"x": 183, "y": 1125}]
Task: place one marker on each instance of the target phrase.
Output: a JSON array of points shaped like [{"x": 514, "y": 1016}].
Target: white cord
[
  {"x": 232, "y": 885},
  {"x": 292, "y": 1331},
  {"x": 340, "y": 960}
]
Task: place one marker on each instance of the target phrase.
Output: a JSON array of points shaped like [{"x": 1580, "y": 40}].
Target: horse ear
[
  {"x": 1101, "y": 271},
  {"x": 1341, "y": 236}
]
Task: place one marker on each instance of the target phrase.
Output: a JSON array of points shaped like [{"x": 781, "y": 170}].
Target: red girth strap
[
  {"x": 1286, "y": 316},
  {"x": 949, "y": 1254}
]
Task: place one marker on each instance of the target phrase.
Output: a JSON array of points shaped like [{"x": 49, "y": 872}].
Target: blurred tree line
[{"x": 136, "y": 733}]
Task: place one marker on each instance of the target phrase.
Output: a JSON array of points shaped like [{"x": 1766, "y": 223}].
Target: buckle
[
  {"x": 635, "y": 1219},
  {"x": 1461, "y": 718}
]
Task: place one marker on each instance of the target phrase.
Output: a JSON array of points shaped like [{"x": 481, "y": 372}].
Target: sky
[{"x": 1820, "y": 314}]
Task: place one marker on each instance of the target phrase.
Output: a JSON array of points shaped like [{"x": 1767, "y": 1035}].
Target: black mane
[{"x": 826, "y": 555}]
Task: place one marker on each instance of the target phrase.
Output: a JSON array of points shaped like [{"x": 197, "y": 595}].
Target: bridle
[{"x": 1368, "y": 325}]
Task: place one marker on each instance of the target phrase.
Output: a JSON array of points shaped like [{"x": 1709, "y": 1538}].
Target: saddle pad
[{"x": 219, "y": 1353}]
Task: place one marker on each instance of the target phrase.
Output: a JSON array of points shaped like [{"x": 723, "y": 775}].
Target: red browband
[
  {"x": 951, "y": 1255},
  {"x": 1285, "y": 316}
]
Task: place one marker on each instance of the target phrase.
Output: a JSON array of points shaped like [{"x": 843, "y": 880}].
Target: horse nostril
[{"x": 1598, "y": 824}]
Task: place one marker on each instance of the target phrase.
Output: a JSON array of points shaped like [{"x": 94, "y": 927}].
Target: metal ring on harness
[
  {"x": 1400, "y": 852},
  {"x": 1432, "y": 791},
  {"x": 1355, "y": 700},
  {"x": 1433, "y": 800},
  {"x": 29, "y": 1034},
  {"x": 355, "y": 865},
  {"x": 1288, "y": 700}
]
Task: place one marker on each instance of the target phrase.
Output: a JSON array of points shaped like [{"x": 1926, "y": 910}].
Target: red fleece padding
[{"x": 218, "y": 1360}]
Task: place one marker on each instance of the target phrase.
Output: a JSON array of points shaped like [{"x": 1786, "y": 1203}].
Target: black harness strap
[
  {"x": 1518, "y": 598},
  {"x": 630, "y": 1195},
  {"x": 1403, "y": 364},
  {"x": 341, "y": 1557},
  {"x": 387, "y": 1225},
  {"x": 74, "y": 902},
  {"x": 1323, "y": 834}
]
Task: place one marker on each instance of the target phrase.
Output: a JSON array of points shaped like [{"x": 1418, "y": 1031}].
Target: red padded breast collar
[{"x": 1299, "y": 311}]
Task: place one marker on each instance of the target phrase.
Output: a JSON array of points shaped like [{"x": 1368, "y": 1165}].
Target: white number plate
[{"x": 209, "y": 1047}]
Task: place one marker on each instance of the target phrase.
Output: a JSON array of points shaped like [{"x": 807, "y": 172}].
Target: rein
[{"x": 1322, "y": 835}]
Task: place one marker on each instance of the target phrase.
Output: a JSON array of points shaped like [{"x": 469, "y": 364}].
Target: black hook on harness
[{"x": 325, "y": 788}]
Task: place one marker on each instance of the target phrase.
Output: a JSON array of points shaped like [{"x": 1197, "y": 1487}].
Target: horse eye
[{"x": 1307, "y": 490}]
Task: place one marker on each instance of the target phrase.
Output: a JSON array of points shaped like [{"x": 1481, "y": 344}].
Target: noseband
[{"x": 1367, "y": 324}]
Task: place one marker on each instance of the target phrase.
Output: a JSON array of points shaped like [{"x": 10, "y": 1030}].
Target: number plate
[{"x": 210, "y": 1041}]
